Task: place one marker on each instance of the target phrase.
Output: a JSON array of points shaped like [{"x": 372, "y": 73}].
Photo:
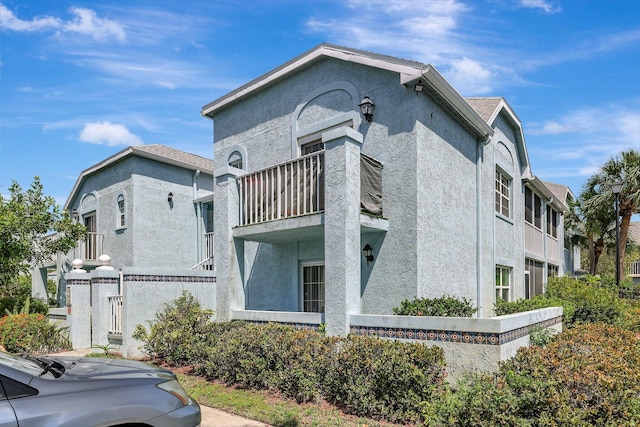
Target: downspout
[
  {"x": 479, "y": 158},
  {"x": 199, "y": 233}
]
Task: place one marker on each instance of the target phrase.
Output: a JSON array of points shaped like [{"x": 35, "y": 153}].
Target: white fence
[{"x": 115, "y": 303}]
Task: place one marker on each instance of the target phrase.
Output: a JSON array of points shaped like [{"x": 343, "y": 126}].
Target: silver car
[{"x": 84, "y": 392}]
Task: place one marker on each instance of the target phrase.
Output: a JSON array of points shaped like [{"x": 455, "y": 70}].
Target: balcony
[
  {"x": 634, "y": 269},
  {"x": 90, "y": 248},
  {"x": 207, "y": 254},
  {"x": 287, "y": 190},
  {"x": 295, "y": 192}
]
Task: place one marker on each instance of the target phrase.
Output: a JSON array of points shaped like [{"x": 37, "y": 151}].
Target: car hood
[{"x": 89, "y": 367}]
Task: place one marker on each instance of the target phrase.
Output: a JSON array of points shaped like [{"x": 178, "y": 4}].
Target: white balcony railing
[
  {"x": 533, "y": 239},
  {"x": 634, "y": 269},
  {"x": 207, "y": 251},
  {"x": 90, "y": 248},
  {"x": 553, "y": 249},
  {"x": 115, "y": 325},
  {"x": 283, "y": 191}
]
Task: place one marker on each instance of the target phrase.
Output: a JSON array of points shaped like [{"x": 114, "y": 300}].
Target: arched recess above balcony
[{"x": 330, "y": 106}]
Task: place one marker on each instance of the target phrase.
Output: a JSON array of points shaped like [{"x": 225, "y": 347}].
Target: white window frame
[
  {"x": 500, "y": 286},
  {"x": 322, "y": 284},
  {"x": 503, "y": 193},
  {"x": 121, "y": 216}
]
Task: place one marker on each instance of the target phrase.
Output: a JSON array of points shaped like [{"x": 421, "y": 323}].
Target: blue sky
[{"x": 81, "y": 80}]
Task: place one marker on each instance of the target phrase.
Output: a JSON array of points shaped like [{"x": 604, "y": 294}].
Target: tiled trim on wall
[
  {"x": 485, "y": 338},
  {"x": 311, "y": 326},
  {"x": 73, "y": 282},
  {"x": 167, "y": 278},
  {"x": 105, "y": 281}
]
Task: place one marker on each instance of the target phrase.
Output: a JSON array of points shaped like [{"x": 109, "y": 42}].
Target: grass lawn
[{"x": 267, "y": 408}]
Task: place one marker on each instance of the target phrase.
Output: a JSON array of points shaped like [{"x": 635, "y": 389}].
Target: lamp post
[{"x": 616, "y": 187}]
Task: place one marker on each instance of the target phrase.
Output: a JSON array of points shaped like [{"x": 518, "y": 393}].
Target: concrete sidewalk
[{"x": 211, "y": 417}]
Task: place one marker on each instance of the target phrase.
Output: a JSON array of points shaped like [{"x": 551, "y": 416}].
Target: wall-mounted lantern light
[
  {"x": 366, "y": 108},
  {"x": 169, "y": 197},
  {"x": 419, "y": 87},
  {"x": 368, "y": 253},
  {"x": 74, "y": 214}
]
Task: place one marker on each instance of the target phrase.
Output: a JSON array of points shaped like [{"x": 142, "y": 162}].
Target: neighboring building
[
  {"x": 323, "y": 206},
  {"x": 147, "y": 207}
]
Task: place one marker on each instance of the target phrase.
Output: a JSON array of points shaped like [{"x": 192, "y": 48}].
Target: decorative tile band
[
  {"x": 485, "y": 338},
  {"x": 105, "y": 281},
  {"x": 73, "y": 282},
  {"x": 167, "y": 278},
  {"x": 311, "y": 326}
]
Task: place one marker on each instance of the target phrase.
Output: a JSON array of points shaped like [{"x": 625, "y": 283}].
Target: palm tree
[{"x": 624, "y": 168}]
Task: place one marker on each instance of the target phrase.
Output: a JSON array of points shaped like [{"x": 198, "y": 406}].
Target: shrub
[
  {"x": 179, "y": 333},
  {"x": 587, "y": 376},
  {"x": 373, "y": 377},
  {"x": 444, "y": 306},
  {"x": 593, "y": 303},
  {"x": 33, "y": 334},
  {"x": 503, "y": 307},
  {"x": 275, "y": 357}
]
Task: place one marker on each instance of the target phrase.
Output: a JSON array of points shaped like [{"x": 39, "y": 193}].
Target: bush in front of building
[
  {"x": 445, "y": 306},
  {"x": 587, "y": 376},
  {"x": 32, "y": 334}
]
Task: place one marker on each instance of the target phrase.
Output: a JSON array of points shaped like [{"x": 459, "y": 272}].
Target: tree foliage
[
  {"x": 32, "y": 229},
  {"x": 596, "y": 207}
]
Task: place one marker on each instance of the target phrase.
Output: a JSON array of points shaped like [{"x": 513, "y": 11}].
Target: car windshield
[{"x": 21, "y": 364}]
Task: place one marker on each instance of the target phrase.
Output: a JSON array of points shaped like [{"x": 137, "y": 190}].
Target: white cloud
[
  {"x": 109, "y": 134},
  {"x": 85, "y": 22},
  {"x": 546, "y": 6},
  {"x": 469, "y": 76},
  {"x": 10, "y": 21}
]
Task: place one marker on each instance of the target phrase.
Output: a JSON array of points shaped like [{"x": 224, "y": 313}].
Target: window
[
  {"x": 120, "y": 200},
  {"x": 311, "y": 147},
  {"x": 552, "y": 271},
  {"x": 534, "y": 286},
  {"x": 503, "y": 283},
  {"x": 502, "y": 193},
  {"x": 532, "y": 208},
  {"x": 552, "y": 222},
  {"x": 235, "y": 160},
  {"x": 313, "y": 288}
]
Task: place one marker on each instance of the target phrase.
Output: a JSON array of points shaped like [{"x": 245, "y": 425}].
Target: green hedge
[
  {"x": 366, "y": 376},
  {"x": 33, "y": 334},
  {"x": 587, "y": 376},
  {"x": 445, "y": 306}
]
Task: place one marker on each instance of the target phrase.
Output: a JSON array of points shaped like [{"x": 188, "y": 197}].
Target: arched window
[
  {"x": 121, "y": 216},
  {"x": 235, "y": 160}
]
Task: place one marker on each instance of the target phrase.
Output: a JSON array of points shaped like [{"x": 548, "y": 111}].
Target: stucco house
[
  {"x": 148, "y": 208},
  {"x": 347, "y": 181}
]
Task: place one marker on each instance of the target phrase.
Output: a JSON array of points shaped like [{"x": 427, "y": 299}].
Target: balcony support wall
[
  {"x": 342, "y": 228},
  {"x": 229, "y": 251}
]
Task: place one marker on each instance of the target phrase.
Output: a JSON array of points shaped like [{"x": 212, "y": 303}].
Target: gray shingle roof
[
  {"x": 194, "y": 160},
  {"x": 484, "y": 106},
  {"x": 559, "y": 191}
]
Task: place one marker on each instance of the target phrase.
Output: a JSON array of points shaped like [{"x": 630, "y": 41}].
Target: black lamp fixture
[
  {"x": 169, "y": 197},
  {"x": 616, "y": 188},
  {"x": 74, "y": 214},
  {"x": 366, "y": 108},
  {"x": 419, "y": 87},
  {"x": 368, "y": 253}
]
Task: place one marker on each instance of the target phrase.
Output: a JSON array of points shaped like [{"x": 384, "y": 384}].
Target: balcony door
[
  {"x": 91, "y": 246},
  {"x": 313, "y": 288}
]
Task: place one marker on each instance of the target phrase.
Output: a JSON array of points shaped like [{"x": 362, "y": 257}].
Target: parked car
[{"x": 84, "y": 392}]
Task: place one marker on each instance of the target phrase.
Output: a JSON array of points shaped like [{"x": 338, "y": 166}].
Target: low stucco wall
[{"x": 469, "y": 344}]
